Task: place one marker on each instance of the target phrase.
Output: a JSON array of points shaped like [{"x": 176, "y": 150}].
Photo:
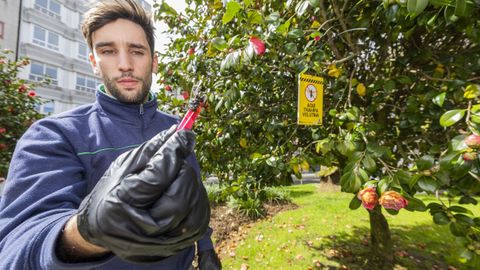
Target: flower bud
[
  {"x": 185, "y": 95},
  {"x": 368, "y": 196},
  {"x": 22, "y": 88},
  {"x": 473, "y": 141},
  {"x": 258, "y": 45},
  {"x": 168, "y": 88},
  {"x": 393, "y": 200},
  {"x": 469, "y": 156}
]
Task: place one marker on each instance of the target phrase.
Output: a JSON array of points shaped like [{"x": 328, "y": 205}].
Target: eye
[
  {"x": 137, "y": 52},
  {"x": 107, "y": 51}
]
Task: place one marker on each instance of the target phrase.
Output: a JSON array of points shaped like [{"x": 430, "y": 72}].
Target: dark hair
[{"x": 107, "y": 11}]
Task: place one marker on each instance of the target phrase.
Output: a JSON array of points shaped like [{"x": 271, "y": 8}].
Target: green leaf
[
  {"x": 415, "y": 204},
  {"x": 362, "y": 175},
  {"x": 248, "y": 3},
  {"x": 458, "y": 229},
  {"x": 350, "y": 182},
  {"x": 314, "y": 3},
  {"x": 402, "y": 176},
  {"x": 296, "y": 33},
  {"x": 255, "y": 156},
  {"x": 231, "y": 60},
  {"x": 451, "y": 117},
  {"x": 441, "y": 218},
  {"x": 460, "y": 209},
  {"x": 355, "y": 203},
  {"x": 471, "y": 91},
  {"x": 460, "y": 8},
  {"x": 232, "y": 9},
  {"x": 427, "y": 184},
  {"x": 463, "y": 219},
  {"x": 283, "y": 28},
  {"x": 392, "y": 212},
  {"x": 167, "y": 9},
  {"x": 448, "y": 161},
  {"x": 254, "y": 17},
  {"x": 382, "y": 186},
  {"x": 443, "y": 177},
  {"x": 458, "y": 143},
  {"x": 219, "y": 43},
  {"x": 301, "y": 7},
  {"x": 424, "y": 163},
  {"x": 369, "y": 164},
  {"x": 467, "y": 200},
  {"x": 415, "y": 7},
  {"x": 439, "y": 99},
  {"x": 413, "y": 180}
]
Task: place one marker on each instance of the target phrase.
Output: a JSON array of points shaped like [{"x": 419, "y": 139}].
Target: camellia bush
[
  {"x": 17, "y": 107},
  {"x": 401, "y": 91}
]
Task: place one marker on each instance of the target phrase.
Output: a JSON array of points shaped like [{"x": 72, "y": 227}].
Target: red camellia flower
[
  {"x": 3, "y": 130},
  {"x": 393, "y": 200},
  {"x": 31, "y": 93},
  {"x": 191, "y": 51},
  {"x": 369, "y": 197},
  {"x": 22, "y": 88},
  {"x": 473, "y": 141},
  {"x": 168, "y": 88},
  {"x": 317, "y": 38},
  {"x": 469, "y": 156},
  {"x": 185, "y": 95},
  {"x": 258, "y": 45}
]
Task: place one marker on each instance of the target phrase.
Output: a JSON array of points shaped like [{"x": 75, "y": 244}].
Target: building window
[
  {"x": 80, "y": 21},
  {"x": 86, "y": 83},
  {"x": 49, "y": 7},
  {"x": 48, "y": 108},
  {"x": 2, "y": 29},
  {"x": 40, "y": 72},
  {"x": 45, "y": 38},
  {"x": 146, "y": 6},
  {"x": 82, "y": 52}
]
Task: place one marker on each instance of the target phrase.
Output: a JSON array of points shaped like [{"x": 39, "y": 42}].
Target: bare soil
[{"x": 230, "y": 227}]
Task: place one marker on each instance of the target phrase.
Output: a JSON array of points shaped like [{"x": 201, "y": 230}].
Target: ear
[
  {"x": 93, "y": 62},
  {"x": 155, "y": 63}
]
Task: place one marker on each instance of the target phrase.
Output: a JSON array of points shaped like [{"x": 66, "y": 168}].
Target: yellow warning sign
[{"x": 310, "y": 100}]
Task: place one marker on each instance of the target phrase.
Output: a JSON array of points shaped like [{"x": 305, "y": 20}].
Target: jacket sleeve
[{"x": 44, "y": 188}]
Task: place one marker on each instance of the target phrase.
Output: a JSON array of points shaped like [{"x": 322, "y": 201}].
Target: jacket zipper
[{"x": 141, "y": 121}]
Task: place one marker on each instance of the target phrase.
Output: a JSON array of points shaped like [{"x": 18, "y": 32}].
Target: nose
[{"x": 124, "y": 62}]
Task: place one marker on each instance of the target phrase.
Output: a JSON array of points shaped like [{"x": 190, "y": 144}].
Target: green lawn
[{"x": 323, "y": 233}]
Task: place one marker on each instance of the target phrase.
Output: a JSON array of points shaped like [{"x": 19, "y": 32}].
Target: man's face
[{"x": 121, "y": 55}]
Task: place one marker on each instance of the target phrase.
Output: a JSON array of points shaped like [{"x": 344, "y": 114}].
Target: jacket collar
[{"x": 136, "y": 114}]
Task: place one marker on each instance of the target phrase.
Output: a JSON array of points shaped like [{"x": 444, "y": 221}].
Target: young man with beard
[{"x": 109, "y": 185}]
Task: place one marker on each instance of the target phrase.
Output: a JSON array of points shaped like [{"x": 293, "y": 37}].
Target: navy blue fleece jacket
[{"x": 56, "y": 164}]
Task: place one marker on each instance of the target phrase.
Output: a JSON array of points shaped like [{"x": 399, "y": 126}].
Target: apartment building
[
  {"x": 50, "y": 37},
  {"x": 9, "y": 22}
]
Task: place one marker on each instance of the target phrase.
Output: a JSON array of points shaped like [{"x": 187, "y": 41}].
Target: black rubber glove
[
  {"x": 207, "y": 260},
  {"x": 149, "y": 204}
]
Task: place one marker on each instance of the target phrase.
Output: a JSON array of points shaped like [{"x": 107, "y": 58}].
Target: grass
[{"x": 323, "y": 233}]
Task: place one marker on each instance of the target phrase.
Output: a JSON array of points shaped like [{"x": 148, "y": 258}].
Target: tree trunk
[{"x": 382, "y": 246}]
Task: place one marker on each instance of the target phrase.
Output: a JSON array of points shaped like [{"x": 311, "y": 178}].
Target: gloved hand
[
  {"x": 208, "y": 260},
  {"x": 149, "y": 204}
]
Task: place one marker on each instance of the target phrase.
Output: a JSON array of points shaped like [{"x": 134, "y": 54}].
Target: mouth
[{"x": 128, "y": 82}]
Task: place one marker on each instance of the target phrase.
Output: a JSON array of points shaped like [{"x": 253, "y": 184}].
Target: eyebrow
[{"x": 111, "y": 44}]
